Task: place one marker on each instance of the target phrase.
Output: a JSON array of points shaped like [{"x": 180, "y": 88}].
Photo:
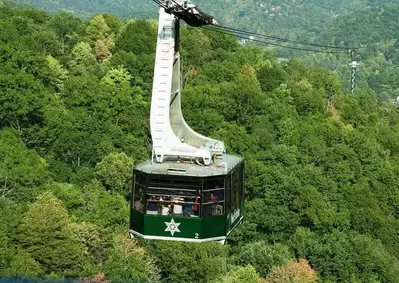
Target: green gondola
[
  {"x": 187, "y": 202},
  {"x": 190, "y": 189}
]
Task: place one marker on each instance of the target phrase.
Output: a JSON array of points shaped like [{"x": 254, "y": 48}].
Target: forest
[
  {"x": 322, "y": 166},
  {"x": 291, "y": 17},
  {"x": 337, "y": 22},
  {"x": 378, "y": 53}
]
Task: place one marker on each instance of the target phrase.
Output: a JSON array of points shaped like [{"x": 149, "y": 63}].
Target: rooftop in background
[{"x": 187, "y": 168}]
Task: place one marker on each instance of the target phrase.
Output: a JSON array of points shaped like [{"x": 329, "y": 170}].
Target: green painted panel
[
  {"x": 137, "y": 221},
  {"x": 185, "y": 227},
  {"x": 176, "y": 226},
  {"x": 214, "y": 226},
  {"x": 234, "y": 217}
]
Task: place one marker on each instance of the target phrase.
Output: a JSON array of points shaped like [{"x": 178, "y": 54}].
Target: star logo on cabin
[{"x": 172, "y": 227}]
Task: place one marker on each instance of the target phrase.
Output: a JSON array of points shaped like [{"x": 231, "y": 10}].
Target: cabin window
[
  {"x": 173, "y": 197},
  {"x": 213, "y": 197},
  {"x": 138, "y": 200}
]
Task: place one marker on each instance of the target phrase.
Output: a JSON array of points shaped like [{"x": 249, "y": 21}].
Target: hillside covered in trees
[
  {"x": 322, "y": 166},
  {"x": 255, "y": 15},
  {"x": 371, "y": 25},
  {"x": 378, "y": 53}
]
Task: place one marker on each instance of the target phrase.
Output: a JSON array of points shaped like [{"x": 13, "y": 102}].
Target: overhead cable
[
  {"x": 247, "y": 37},
  {"x": 284, "y": 39},
  {"x": 160, "y": 3},
  {"x": 265, "y": 39},
  {"x": 180, "y": 6}
]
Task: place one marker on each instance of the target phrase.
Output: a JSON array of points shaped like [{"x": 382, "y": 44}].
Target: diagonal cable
[
  {"x": 160, "y": 3},
  {"x": 284, "y": 39},
  {"x": 272, "y": 43}
]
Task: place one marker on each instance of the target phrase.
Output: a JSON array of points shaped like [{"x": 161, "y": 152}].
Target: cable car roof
[{"x": 222, "y": 166}]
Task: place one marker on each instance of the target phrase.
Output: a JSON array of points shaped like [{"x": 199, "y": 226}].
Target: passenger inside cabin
[
  {"x": 213, "y": 198},
  {"x": 166, "y": 209},
  {"x": 152, "y": 207},
  {"x": 188, "y": 207},
  {"x": 138, "y": 205},
  {"x": 207, "y": 206},
  {"x": 178, "y": 205},
  {"x": 196, "y": 206},
  {"x": 165, "y": 198}
]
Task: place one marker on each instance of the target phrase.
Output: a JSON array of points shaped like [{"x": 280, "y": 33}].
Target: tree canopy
[{"x": 322, "y": 166}]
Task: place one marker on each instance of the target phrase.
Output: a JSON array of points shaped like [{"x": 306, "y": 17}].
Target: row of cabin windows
[
  {"x": 182, "y": 197},
  {"x": 168, "y": 198}
]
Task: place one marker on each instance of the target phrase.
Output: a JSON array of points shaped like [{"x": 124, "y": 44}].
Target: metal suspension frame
[{"x": 171, "y": 136}]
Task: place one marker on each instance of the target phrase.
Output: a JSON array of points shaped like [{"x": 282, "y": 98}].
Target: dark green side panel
[
  {"x": 178, "y": 226},
  {"x": 137, "y": 221},
  {"x": 214, "y": 226}
]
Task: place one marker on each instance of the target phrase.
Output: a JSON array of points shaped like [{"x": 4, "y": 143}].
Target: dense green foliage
[
  {"x": 379, "y": 55},
  {"x": 381, "y": 20},
  {"x": 122, "y": 8},
  {"x": 255, "y": 15},
  {"x": 370, "y": 24},
  {"x": 322, "y": 167}
]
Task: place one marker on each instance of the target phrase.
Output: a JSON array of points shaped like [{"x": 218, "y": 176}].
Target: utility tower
[{"x": 354, "y": 64}]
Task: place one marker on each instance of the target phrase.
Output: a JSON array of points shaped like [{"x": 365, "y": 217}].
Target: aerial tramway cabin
[
  {"x": 186, "y": 202},
  {"x": 190, "y": 189}
]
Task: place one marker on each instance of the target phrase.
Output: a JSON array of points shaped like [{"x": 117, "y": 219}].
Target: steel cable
[{"x": 271, "y": 43}]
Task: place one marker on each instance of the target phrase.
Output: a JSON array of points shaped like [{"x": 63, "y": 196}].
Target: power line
[
  {"x": 160, "y": 3},
  {"x": 248, "y": 36},
  {"x": 180, "y": 6},
  {"x": 285, "y": 39},
  {"x": 272, "y": 43}
]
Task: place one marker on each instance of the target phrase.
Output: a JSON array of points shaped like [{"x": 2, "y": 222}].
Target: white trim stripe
[
  {"x": 238, "y": 223},
  {"x": 177, "y": 239}
]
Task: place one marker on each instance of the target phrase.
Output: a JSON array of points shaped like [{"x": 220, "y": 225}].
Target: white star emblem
[{"x": 172, "y": 227}]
